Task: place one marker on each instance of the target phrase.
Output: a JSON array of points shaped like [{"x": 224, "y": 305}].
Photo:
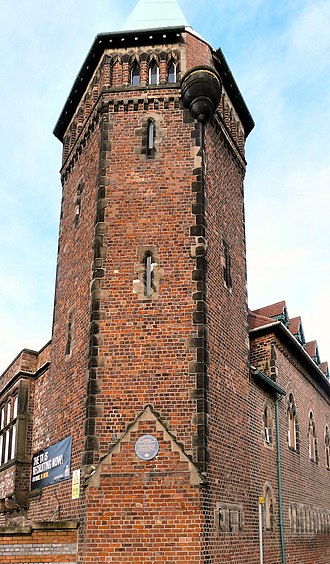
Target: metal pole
[{"x": 260, "y": 532}]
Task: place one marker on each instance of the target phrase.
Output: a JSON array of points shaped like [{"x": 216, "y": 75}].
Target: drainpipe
[
  {"x": 279, "y": 476},
  {"x": 275, "y": 389}
]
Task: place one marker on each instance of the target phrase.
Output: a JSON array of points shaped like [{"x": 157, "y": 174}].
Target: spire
[{"x": 153, "y": 14}]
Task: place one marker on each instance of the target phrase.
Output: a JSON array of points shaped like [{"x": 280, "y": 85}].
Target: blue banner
[{"x": 51, "y": 465}]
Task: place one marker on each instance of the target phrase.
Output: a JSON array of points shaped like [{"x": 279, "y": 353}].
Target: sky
[{"x": 279, "y": 53}]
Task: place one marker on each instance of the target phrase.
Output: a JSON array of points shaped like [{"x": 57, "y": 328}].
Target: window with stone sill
[
  {"x": 148, "y": 273},
  {"x": 312, "y": 440},
  {"x": 135, "y": 75},
  {"x": 171, "y": 73},
  {"x": 327, "y": 447},
  {"x": 151, "y": 138},
  {"x": 8, "y": 429},
  {"x": 77, "y": 206},
  {"x": 229, "y": 518},
  {"x": 293, "y": 431},
  {"x": 268, "y": 510},
  {"x": 268, "y": 425},
  {"x": 154, "y": 74}
]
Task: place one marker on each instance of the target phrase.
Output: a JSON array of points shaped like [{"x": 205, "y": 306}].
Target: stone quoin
[{"x": 164, "y": 414}]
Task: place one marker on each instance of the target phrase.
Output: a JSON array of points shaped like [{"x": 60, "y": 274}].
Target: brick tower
[{"x": 149, "y": 361}]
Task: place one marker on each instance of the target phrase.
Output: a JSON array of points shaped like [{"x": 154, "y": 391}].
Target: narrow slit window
[
  {"x": 135, "y": 75},
  {"x": 148, "y": 274},
  {"x": 327, "y": 447},
  {"x": 172, "y": 73},
  {"x": 268, "y": 424},
  {"x": 292, "y": 424},
  {"x": 269, "y": 510},
  {"x": 154, "y": 74},
  {"x": 312, "y": 441},
  {"x": 151, "y": 137},
  {"x": 68, "y": 347},
  {"x": 227, "y": 266}
]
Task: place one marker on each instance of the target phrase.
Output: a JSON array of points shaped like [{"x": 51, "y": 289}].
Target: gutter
[{"x": 298, "y": 350}]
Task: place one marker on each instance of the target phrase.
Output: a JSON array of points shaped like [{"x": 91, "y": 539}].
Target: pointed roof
[
  {"x": 255, "y": 320},
  {"x": 154, "y": 14}
]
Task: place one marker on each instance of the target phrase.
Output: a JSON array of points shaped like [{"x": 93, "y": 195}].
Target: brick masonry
[{"x": 174, "y": 364}]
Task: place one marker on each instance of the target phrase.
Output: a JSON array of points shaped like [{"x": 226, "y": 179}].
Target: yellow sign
[
  {"x": 75, "y": 484},
  {"x": 261, "y": 500}
]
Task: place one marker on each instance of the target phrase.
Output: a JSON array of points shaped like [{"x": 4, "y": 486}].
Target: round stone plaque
[{"x": 147, "y": 447}]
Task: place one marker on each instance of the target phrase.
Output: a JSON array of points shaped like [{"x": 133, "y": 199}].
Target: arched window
[
  {"x": 327, "y": 447},
  {"x": 154, "y": 74},
  {"x": 268, "y": 425},
  {"x": 292, "y": 424},
  {"x": 135, "y": 75},
  {"x": 171, "y": 72},
  {"x": 312, "y": 441},
  {"x": 268, "y": 510}
]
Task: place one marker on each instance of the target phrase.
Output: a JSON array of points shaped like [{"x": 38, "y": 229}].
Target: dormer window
[
  {"x": 154, "y": 74},
  {"x": 171, "y": 73},
  {"x": 135, "y": 75}
]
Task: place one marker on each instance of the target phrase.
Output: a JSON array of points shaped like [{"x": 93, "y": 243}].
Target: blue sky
[{"x": 279, "y": 53}]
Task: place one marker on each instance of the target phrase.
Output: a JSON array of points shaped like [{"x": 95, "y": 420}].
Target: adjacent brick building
[{"x": 149, "y": 428}]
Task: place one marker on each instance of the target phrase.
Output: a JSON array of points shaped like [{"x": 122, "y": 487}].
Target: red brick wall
[
  {"x": 152, "y": 507},
  {"x": 229, "y": 471},
  {"x": 184, "y": 353},
  {"x": 305, "y": 483},
  {"x": 38, "y": 544}
]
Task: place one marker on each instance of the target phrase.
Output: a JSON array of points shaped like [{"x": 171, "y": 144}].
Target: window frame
[
  {"x": 153, "y": 64},
  {"x": 170, "y": 64},
  {"x": 268, "y": 509},
  {"x": 8, "y": 428},
  {"x": 268, "y": 425},
  {"x": 135, "y": 67},
  {"x": 327, "y": 447},
  {"x": 292, "y": 423},
  {"x": 312, "y": 438}
]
